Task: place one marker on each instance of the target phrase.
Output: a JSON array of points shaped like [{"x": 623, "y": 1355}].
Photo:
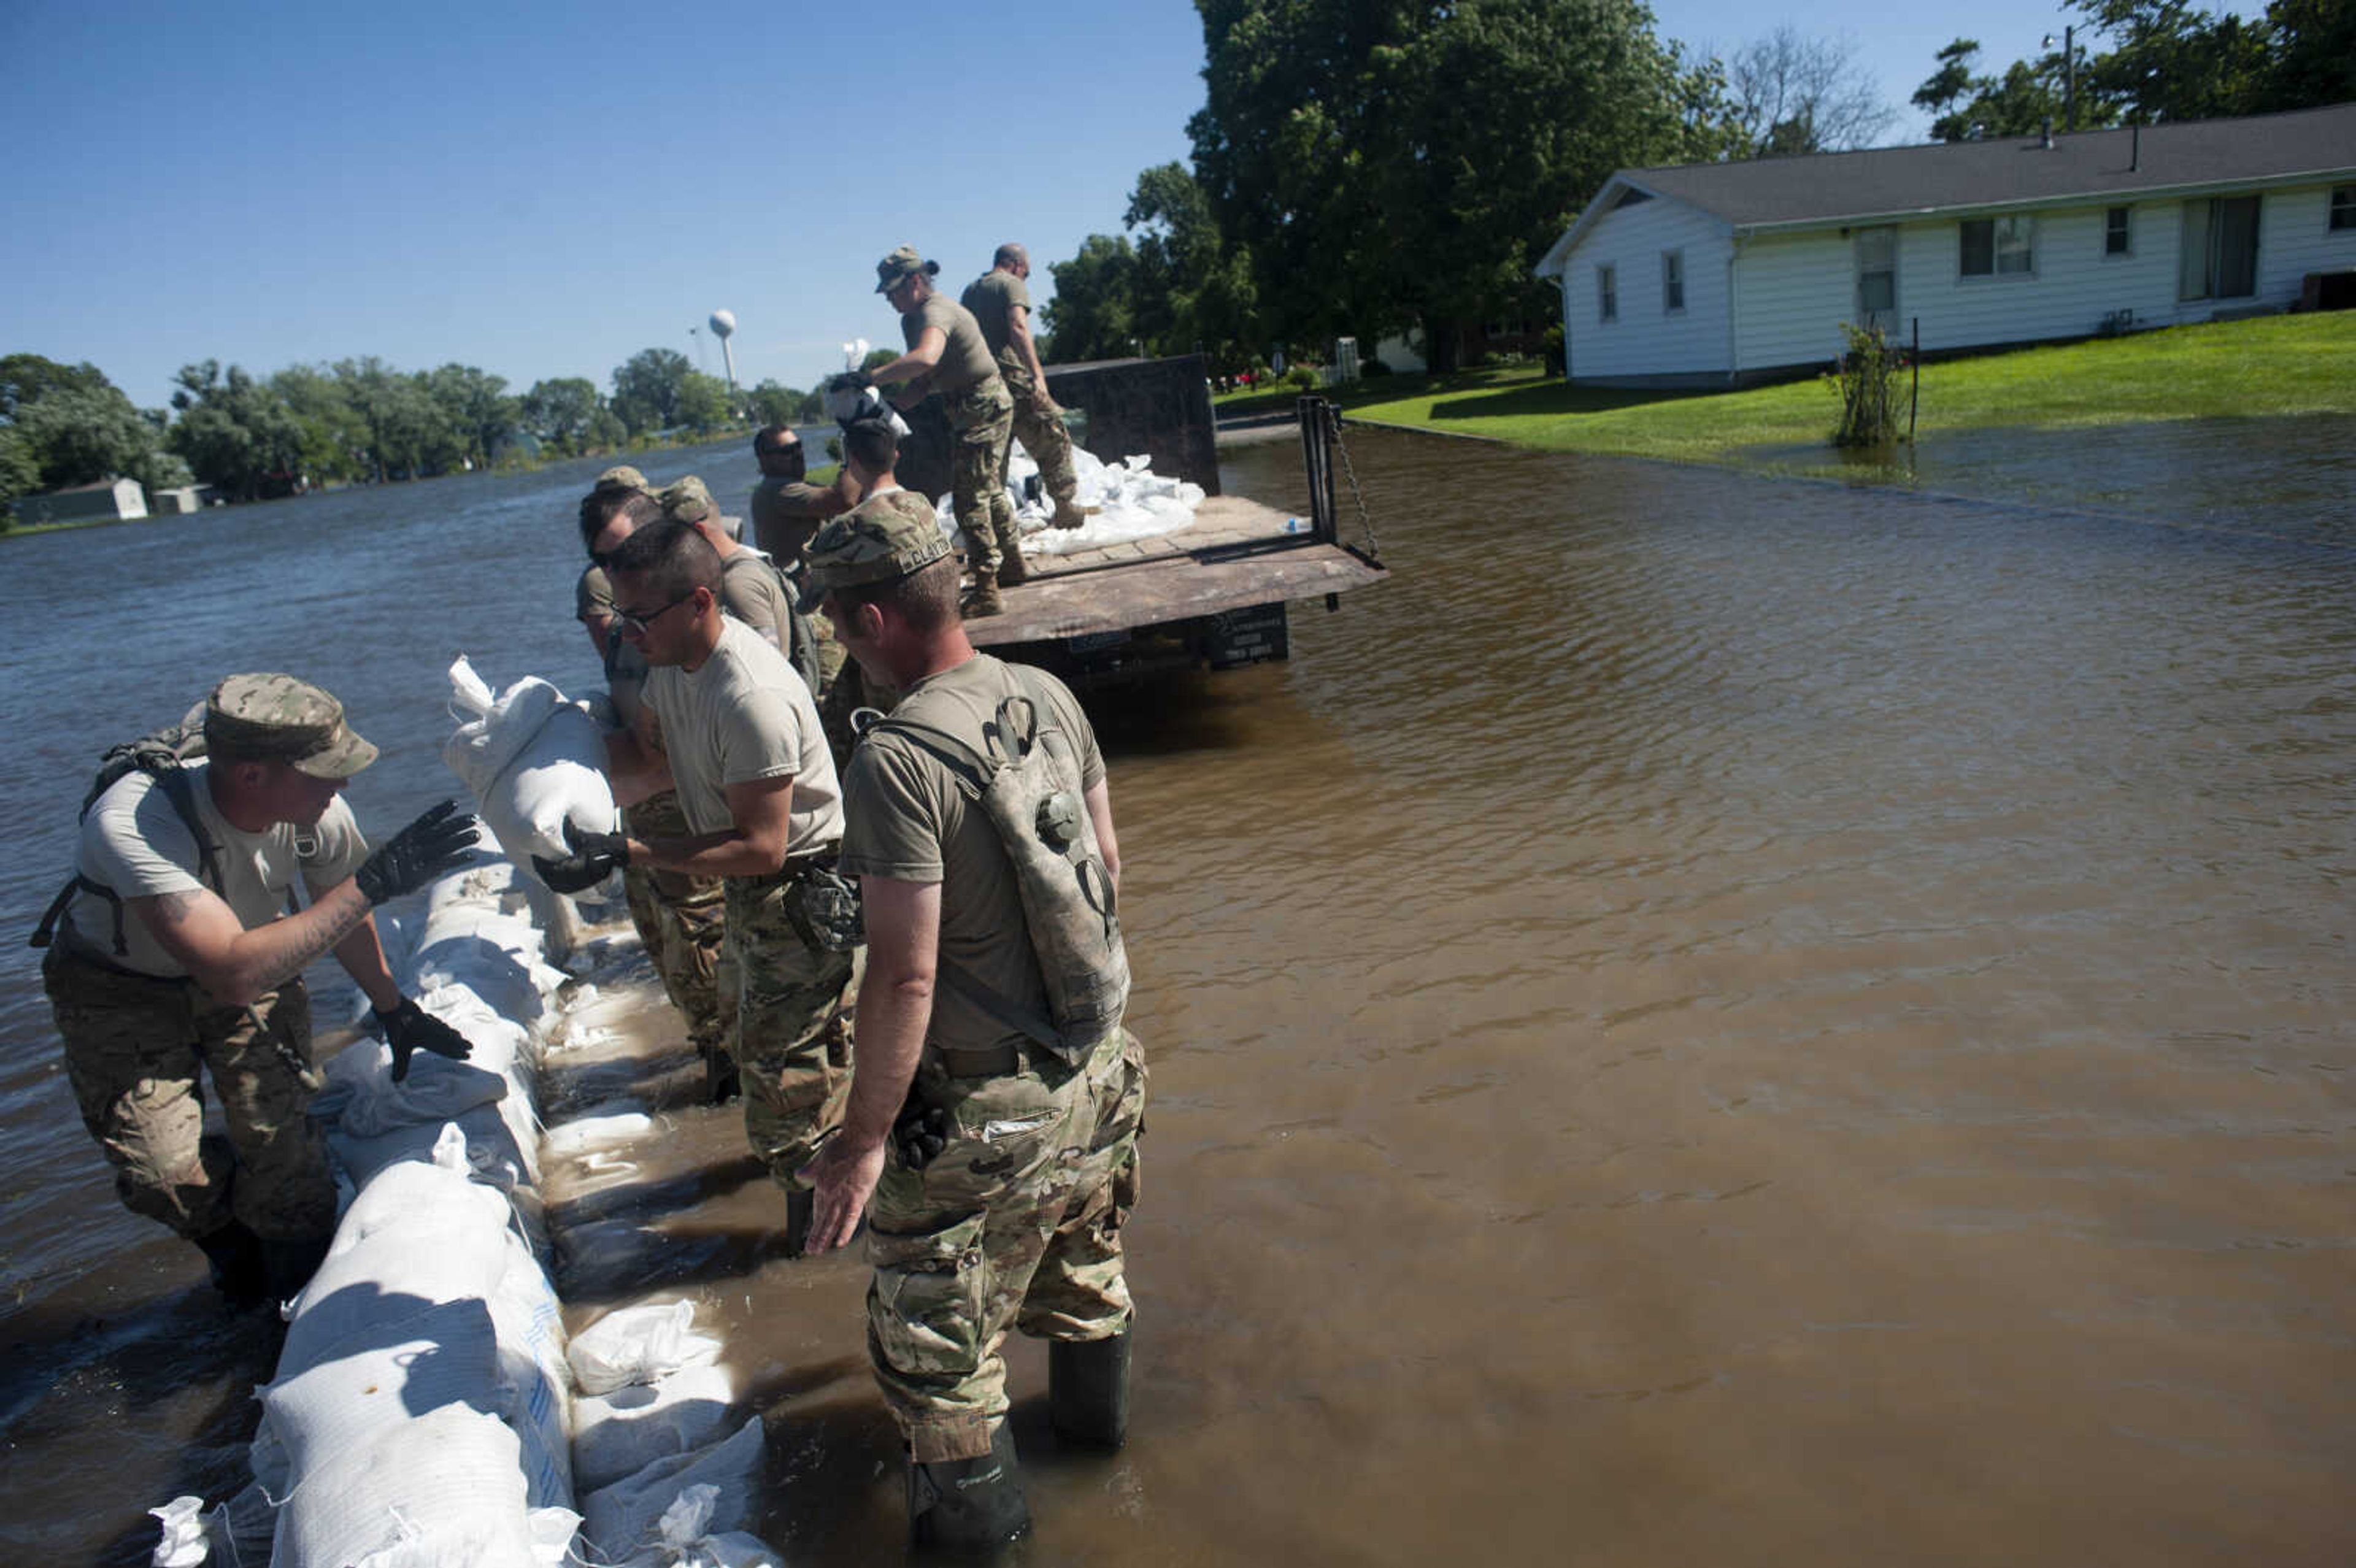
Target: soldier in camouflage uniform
[
  {"x": 177, "y": 955},
  {"x": 947, "y": 355},
  {"x": 744, "y": 750},
  {"x": 995, "y": 1176},
  {"x": 681, "y": 919},
  {"x": 1001, "y": 301}
]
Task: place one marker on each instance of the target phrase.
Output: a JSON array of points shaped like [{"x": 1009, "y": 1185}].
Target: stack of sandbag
[
  {"x": 532, "y": 761},
  {"x": 420, "y": 1409},
  {"x": 665, "y": 1473},
  {"x": 1132, "y": 503}
]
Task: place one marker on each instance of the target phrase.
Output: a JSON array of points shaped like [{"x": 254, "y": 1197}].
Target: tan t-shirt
[
  {"x": 993, "y": 298},
  {"x": 135, "y": 842},
  {"x": 785, "y": 513},
  {"x": 910, "y": 822},
  {"x": 965, "y": 360},
  {"x": 751, "y": 591},
  {"x": 745, "y": 715}
]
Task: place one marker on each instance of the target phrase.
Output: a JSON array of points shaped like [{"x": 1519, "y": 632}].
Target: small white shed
[
  {"x": 107, "y": 500},
  {"x": 1709, "y": 274}
]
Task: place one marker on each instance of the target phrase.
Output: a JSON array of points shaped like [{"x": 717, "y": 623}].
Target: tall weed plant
[{"x": 1866, "y": 378}]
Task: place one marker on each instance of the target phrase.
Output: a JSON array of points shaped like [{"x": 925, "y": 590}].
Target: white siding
[
  {"x": 1644, "y": 341},
  {"x": 1793, "y": 291}
]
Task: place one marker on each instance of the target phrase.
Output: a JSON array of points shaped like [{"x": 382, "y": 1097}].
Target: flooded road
[{"x": 1709, "y": 1020}]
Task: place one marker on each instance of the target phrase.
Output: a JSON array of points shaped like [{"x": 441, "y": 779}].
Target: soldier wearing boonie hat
[
  {"x": 180, "y": 948},
  {"x": 947, "y": 355}
]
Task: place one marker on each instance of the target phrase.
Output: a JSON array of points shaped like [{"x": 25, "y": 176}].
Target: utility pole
[{"x": 2069, "y": 75}]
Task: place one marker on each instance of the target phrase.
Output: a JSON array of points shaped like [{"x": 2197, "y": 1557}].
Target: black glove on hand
[
  {"x": 849, "y": 381},
  {"x": 595, "y": 857},
  {"x": 410, "y": 1029},
  {"x": 417, "y": 854}
]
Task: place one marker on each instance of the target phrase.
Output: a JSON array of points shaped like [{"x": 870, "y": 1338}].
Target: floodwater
[{"x": 1710, "y": 1020}]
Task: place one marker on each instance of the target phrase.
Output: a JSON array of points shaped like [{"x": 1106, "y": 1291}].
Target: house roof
[{"x": 1886, "y": 183}]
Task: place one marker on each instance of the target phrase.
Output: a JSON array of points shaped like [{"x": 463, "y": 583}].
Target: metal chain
[{"x": 1357, "y": 493}]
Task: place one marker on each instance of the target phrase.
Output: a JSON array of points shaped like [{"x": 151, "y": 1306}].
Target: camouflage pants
[
  {"x": 983, "y": 418},
  {"x": 1016, "y": 1225},
  {"x": 1042, "y": 435},
  {"x": 792, "y": 1040},
  {"x": 134, "y": 1050},
  {"x": 686, "y": 916}
]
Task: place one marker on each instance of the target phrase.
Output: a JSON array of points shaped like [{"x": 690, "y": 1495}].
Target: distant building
[
  {"x": 108, "y": 500},
  {"x": 1707, "y": 274},
  {"x": 178, "y": 499}
]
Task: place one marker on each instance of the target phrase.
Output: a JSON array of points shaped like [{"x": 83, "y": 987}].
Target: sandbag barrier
[{"x": 424, "y": 1408}]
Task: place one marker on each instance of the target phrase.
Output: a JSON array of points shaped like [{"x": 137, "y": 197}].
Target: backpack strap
[{"x": 180, "y": 790}]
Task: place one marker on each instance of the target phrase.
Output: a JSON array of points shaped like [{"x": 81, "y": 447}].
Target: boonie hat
[
  {"x": 903, "y": 263},
  {"x": 687, "y": 501},
  {"x": 277, "y": 717},
  {"x": 621, "y": 474},
  {"x": 883, "y": 537}
]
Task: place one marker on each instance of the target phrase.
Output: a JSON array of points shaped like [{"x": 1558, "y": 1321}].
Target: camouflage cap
[
  {"x": 277, "y": 717},
  {"x": 903, "y": 263},
  {"x": 688, "y": 501},
  {"x": 622, "y": 474},
  {"x": 883, "y": 537}
]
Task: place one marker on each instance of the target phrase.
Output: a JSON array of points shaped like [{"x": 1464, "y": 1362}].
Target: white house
[{"x": 1705, "y": 274}]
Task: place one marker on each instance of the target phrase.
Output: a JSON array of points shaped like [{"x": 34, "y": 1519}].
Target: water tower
[{"x": 723, "y": 325}]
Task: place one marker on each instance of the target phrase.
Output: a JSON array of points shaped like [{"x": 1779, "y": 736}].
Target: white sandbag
[
  {"x": 458, "y": 1470},
  {"x": 445, "y": 1355},
  {"x": 626, "y": 1517},
  {"x": 600, "y": 1129},
  {"x": 630, "y": 1429},
  {"x": 183, "y": 1524},
  {"x": 638, "y": 1345},
  {"x": 534, "y": 1375},
  {"x": 688, "y": 1541},
  {"x": 554, "y": 1531},
  {"x": 532, "y": 761}
]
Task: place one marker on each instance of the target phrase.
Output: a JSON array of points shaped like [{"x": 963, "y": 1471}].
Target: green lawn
[{"x": 2275, "y": 365}]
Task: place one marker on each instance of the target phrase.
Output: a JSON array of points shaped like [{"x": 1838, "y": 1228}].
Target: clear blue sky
[{"x": 543, "y": 191}]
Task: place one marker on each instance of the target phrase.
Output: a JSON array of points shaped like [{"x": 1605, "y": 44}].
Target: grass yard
[{"x": 2272, "y": 366}]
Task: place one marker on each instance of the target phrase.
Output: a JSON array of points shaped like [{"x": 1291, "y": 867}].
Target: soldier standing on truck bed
[
  {"x": 1001, "y": 301},
  {"x": 947, "y": 355}
]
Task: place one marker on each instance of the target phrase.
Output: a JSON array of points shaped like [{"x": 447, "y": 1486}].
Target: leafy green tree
[
  {"x": 1191, "y": 290},
  {"x": 62, "y": 425},
  {"x": 1385, "y": 162},
  {"x": 333, "y": 435},
  {"x": 1964, "y": 107},
  {"x": 408, "y": 434},
  {"x": 561, "y": 411},
  {"x": 774, "y": 402},
  {"x": 236, "y": 433},
  {"x": 606, "y": 430},
  {"x": 2314, "y": 46},
  {"x": 705, "y": 404},
  {"x": 1094, "y": 313},
  {"x": 476, "y": 408},
  {"x": 2171, "y": 61},
  {"x": 646, "y": 388}
]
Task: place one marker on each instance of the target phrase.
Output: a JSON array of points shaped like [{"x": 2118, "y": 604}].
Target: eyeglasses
[{"x": 630, "y": 624}]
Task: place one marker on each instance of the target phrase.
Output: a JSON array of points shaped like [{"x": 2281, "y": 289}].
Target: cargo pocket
[
  {"x": 926, "y": 1304},
  {"x": 992, "y": 1156}
]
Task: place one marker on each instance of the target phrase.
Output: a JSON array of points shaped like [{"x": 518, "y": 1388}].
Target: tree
[
  {"x": 1383, "y": 162},
  {"x": 2314, "y": 44},
  {"x": 476, "y": 408},
  {"x": 1094, "y": 313},
  {"x": 236, "y": 433},
  {"x": 1793, "y": 94},
  {"x": 2169, "y": 62},
  {"x": 62, "y": 425},
  {"x": 408, "y": 435},
  {"x": 559, "y": 411},
  {"x": 1191, "y": 291},
  {"x": 2021, "y": 102},
  {"x": 333, "y": 435},
  {"x": 706, "y": 403},
  {"x": 772, "y": 402},
  {"x": 646, "y": 388},
  {"x": 878, "y": 357}
]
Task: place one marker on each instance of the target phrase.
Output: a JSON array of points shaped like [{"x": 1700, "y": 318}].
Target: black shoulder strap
[{"x": 180, "y": 790}]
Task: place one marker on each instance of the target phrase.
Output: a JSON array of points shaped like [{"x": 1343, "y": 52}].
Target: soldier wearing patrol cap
[
  {"x": 182, "y": 949},
  {"x": 995, "y": 1174},
  {"x": 948, "y": 356}
]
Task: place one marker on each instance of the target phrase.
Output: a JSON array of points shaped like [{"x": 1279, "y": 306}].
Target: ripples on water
[{"x": 1707, "y": 1020}]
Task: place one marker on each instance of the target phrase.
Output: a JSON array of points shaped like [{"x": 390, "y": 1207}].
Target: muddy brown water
[{"x": 1710, "y": 1020}]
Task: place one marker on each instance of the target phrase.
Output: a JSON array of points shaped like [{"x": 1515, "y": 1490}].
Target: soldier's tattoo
[{"x": 173, "y": 909}]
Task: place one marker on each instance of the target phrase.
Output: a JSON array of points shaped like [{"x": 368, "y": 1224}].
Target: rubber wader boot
[
  {"x": 982, "y": 600},
  {"x": 1087, "y": 1391},
  {"x": 968, "y": 1505},
  {"x": 1069, "y": 516},
  {"x": 239, "y": 1272},
  {"x": 291, "y": 1265},
  {"x": 802, "y": 1206},
  {"x": 721, "y": 1081},
  {"x": 1012, "y": 570}
]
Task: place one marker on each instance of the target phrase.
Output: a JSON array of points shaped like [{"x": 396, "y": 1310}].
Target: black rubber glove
[
  {"x": 410, "y": 1029},
  {"x": 843, "y": 380},
  {"x": 417, "y": 854},
  {"x": 595, "y": 857}
]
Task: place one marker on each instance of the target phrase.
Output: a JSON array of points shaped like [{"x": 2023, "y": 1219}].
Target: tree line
[
  {"x": 354, "y": 420},
  {"x": 1375, "y": 166}
]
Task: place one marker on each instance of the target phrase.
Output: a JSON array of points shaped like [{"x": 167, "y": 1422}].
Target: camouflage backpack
[{"x": 159, "y": 754}]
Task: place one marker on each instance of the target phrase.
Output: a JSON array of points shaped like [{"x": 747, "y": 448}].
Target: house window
[
  {"x": 2116, "y": 234},
  {"x": 1607, "y": 295},
  {"x": 2343, "y": 207},
  {"x": 1998, "y": 247},
  {"x": 1673, "y": 280}
]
